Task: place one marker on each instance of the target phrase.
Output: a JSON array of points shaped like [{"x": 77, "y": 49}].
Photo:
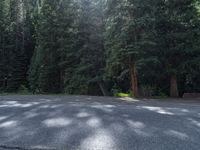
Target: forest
[{"x": 100, "y": 47}]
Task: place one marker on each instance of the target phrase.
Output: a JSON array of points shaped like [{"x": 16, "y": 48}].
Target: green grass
[{"x": 122, "y": 95}]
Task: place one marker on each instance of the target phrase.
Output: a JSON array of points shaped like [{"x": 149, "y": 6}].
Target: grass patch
[{"x": 122, "y": 95}]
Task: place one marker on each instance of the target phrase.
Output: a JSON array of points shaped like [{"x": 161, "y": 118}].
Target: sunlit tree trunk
[
  {"x": 134, "y": 81},
  {"x": 173, "y": 86}
]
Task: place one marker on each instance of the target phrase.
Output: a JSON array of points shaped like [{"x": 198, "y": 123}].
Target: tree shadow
[{"x": 81, "y": 122}]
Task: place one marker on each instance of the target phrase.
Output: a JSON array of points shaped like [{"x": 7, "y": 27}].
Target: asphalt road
[{"x": 97, "y": 123}]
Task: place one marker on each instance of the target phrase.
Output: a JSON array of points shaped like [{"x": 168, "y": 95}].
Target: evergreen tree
[
  {"x": 17, "y": 44},
  {"x": 129, "y": 30},
  {"x": 88, "y": 66},
  {"x": 3, "y": 41},
  {"x": 46, "y": 73},
  {"x": 177, "y": 28}
]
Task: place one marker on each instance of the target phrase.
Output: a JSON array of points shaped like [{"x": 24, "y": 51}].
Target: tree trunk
[
  {"x": 103, "y": 89},
  {"x": 134, "y": 81},
  {"x": 62, "y": 80},
  {"x": 173, "y": 86}
]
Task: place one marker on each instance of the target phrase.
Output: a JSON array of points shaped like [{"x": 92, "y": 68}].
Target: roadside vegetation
[{"x": 121, "y": 48}]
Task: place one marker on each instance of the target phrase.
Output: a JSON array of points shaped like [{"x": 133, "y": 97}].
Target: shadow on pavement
[{"x": 89, "y": 123}]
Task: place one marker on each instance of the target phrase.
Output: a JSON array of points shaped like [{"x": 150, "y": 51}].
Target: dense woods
[{"x": 100, "y": 47}]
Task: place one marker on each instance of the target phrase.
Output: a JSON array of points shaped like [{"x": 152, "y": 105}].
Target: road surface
[{"x": 97, "y": 123}]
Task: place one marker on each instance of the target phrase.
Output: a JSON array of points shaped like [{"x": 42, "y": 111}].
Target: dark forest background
[{"x": 100, "y": 47}]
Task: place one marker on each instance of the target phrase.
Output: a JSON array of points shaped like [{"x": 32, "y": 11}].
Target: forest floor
[{"x": 98, "y": 123}]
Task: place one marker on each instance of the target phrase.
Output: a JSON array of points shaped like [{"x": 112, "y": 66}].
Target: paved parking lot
[{"x": 97, "y": 123}]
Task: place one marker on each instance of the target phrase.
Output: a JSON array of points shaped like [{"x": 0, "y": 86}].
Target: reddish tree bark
[
  {"x": 134, "y": 81},
  {"x": 174, "y": 86}
]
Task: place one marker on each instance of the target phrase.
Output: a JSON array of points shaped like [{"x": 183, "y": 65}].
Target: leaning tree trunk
[
  {"x": 134, "y": 81},
  {"x": 173, "y": 86},
  {"x": 103, "y": 89}
]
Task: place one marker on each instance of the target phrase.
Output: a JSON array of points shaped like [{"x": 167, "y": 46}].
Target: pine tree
[
  {"x": 3, "y": 24},
  {"x": 177, "y": 27},
  {"x": 129, "y": 30},
  {"x": 46, "y": 73},
  {"x": 87, "y": 69},
  {"x": 17, "y": 44}
]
